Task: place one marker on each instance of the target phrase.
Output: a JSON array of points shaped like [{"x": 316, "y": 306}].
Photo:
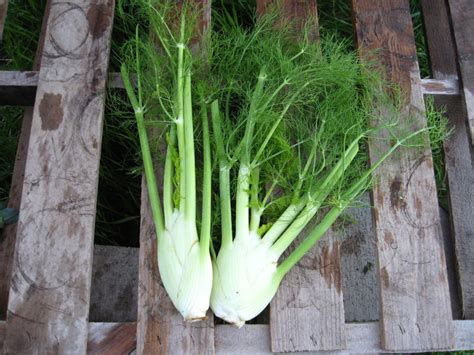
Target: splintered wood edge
[{"x": 107, "y": 338}]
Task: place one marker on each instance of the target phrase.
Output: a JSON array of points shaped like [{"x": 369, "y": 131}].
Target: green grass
[{"x": 117, "y": 220}]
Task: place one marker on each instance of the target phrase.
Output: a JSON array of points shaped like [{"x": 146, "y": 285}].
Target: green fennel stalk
[
  {"x": 183, "y": 258},
  {"x": 290, "y": 123}
]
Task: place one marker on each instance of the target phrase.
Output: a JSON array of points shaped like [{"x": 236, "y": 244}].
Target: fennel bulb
[
  {"x": 245, "y": 280},
  {"x": 289, "y": 150},
  {"x": 164, "y": 93}
]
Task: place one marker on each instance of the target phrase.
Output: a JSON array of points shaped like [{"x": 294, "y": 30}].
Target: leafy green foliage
[{"x": 321, "y": 94}]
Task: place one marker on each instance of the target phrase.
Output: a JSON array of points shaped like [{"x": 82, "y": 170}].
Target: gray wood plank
[
  {"x": 3, "y": 16},
  {"x": 160, "y": 327},
  {"x": 462, "y": 19},
  {"x": 7, "y": 242},
  {"x": 459, "y": 153},
  {"x": 415, "y": 304},
  {"x": 362, "y": 338},
  {"x": 307, "y": 313},
  {"x": 50, "y": 287}
]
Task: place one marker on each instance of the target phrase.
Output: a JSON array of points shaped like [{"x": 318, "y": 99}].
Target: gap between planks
[{"x": 109, "y": 338}]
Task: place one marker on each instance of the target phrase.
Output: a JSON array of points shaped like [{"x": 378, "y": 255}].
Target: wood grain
[
  {"x": 111, "y": 338},
  {"x": 7, "y": 242},
  {"x": 297, "y": 11},
  {"x": 3, "y": 16},
  {"x": 444, "y": 87},
  {"x": 459, "y": 153},
  {"x": 50, "y": 286},
  {"x": 307, "y": 313},
  {"x": 462, "y": 19},
  {"x": 362, "y": 338},
  {"x": 160, "y": 327},
  {"x": 415, "y": 305}
]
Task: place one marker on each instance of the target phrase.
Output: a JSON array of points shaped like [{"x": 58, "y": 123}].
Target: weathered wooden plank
[
  {"x": 459, "y": 153},
  {"x": 19, "y": 87},
  {"x": 362, "y": 338},
  {"x": 161, "y": 329},
  {"x": 462, "y": 19},
  {"x": 7, "y": 244},
  {"x": 307, "y": 312},
  {"x": 3, "y": 16},
  {"x": 415, "y": 305},
  {"x": 440, "y": 86},
  {"x": 50, "y": 287},
  {"x": 111, "y": 338},
  {"x": 251, "y": 339}
]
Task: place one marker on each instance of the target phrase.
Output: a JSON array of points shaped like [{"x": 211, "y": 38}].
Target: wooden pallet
[{"x": 45, "y": 278}]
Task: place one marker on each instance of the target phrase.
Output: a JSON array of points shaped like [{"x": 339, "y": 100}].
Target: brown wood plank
[
  {"x": 415, "y": 305},
  {"x": 307, "y": 313},
  {"x": 459, "y": 153},
  {"x": 50, "y": 287},
  {"x": 444, "y": 87},
  {"x": 160, "y": 328},
  {"x": 7, "y": 243},
  {"x": 111, "y": 338},
  {"x": 462, "y": 19},
  {"x": 3, "y": 16}
]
